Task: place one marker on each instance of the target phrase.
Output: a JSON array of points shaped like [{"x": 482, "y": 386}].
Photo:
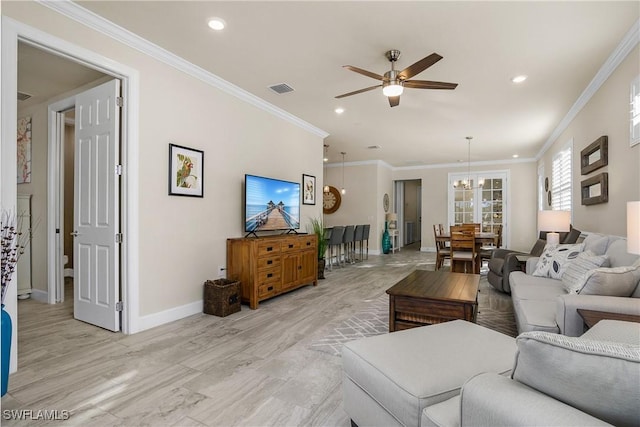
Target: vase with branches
[{"x": 14, "y": 242}]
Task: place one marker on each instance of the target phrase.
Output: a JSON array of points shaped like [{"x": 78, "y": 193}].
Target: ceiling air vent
[
  {"x": 374, "y": 147},
  {"x": 23, "y": 96},
  {"x": 281, "y": 88}
]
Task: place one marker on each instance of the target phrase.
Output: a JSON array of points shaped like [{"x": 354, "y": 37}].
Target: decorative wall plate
[{"x": 385, "y": 202}]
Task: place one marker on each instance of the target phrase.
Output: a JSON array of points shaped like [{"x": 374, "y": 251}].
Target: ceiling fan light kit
[{"x": 394, "y": 81}]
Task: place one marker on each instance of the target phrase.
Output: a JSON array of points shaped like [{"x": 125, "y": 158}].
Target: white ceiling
[{"x": 559, "y": 45}]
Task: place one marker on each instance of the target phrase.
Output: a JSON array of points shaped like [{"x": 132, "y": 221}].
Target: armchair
[{"x": 504, "y": 261}]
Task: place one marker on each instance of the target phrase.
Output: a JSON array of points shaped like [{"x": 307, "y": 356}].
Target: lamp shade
[
  {"x": 633, "y": 227},
  {"x": 554, "y": 221},
  {"x": 392, "y": 220}
]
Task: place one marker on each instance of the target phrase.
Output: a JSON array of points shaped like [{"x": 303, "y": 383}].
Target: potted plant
[{"x": 317, "y": 227}]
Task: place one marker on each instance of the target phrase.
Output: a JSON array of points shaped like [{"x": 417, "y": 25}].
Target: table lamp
[
  {"x": 392, "y": 220},
  {"x": 633, "y": 227},
  {"x": 554, "y": 222}
]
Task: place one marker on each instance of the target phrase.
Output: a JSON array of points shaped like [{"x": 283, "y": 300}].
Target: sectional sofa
[{"x": 551, "y": 304}]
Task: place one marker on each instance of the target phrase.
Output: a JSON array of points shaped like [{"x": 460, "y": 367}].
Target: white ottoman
[{"x": 389, "y": 379}]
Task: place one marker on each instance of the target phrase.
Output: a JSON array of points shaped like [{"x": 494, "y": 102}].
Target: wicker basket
[{"x": 221, "y": 297}]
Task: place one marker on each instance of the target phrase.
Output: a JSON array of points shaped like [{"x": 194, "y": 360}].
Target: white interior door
[{"x": 96, "y": 208}]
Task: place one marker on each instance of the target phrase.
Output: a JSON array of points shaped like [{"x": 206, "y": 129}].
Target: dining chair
[
  {"x": 442, "y": 251},
  {"x": 335, "y": 242},
  {"x": 463, "y": 248},
  {"x": 476, "y": 226},
  {"x": 486, "y": 251}
]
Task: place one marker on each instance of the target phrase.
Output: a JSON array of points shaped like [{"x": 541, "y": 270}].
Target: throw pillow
[
  {"x": 574, "y": 276},
  {"x": 616, "y": 282},
  {"x": 573, "y": 235},
  {"x": 597, "y": 244},
  {"x": 555, "y": 259}
]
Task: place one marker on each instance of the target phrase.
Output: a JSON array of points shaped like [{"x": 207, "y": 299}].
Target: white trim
[
  {"x": 96, "y": 22},
  {"x": 12, "y": 31},
  {"x": 171, "y": 315},
  {"x": 628, "y": 43},
  {"x": 68, "y": 272},
  {"x": 39, "y": 295},
  {"x": 382, "y": 163}
]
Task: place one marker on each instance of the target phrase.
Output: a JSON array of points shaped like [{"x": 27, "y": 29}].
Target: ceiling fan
[{"x": 394, "y": 81}]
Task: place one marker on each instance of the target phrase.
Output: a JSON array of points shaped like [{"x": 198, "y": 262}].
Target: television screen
[{"x": 270, "y": 204}]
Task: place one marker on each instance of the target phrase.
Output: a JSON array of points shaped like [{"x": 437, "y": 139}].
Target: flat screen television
[{"x": 270, "y": 204}]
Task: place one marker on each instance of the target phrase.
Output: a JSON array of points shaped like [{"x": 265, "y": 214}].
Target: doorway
[{"x": 408, "y": 206}]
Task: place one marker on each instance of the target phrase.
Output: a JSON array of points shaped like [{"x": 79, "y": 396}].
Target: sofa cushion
[
  {"x": 442, "y": 414},
  {"x": 614, "y": 330},
  {"x": 408, "y": 370},
  {"x": 574, "y": 277},
  {"x": 598, "y": 377},
  {"x": 525, "y": 286},
  {"x": 618, "y": 255},
  {"x": 616, "y": 281},
  {"x": 537, "y": 315},
  {"x": 555, "y": 258},
  {"x": 596, "y": 243},
  {"x": 573, "y": 235}
]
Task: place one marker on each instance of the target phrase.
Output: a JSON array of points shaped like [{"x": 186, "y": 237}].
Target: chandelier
[{"x": 465, "y": 184}]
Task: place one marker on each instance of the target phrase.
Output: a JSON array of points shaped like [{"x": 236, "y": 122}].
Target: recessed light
[
  {"x": 217, "y": 24},
  {"x": 519, "y": 79},
  {"x": 515, "y": 156},
  {"x": 339, "y": 110}
]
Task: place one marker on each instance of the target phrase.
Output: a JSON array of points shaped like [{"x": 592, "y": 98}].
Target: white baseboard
[
  {"x": 68, "y": 272},
  {"x": 40, "y": 296},
  {"x": 156, "y": 319}
]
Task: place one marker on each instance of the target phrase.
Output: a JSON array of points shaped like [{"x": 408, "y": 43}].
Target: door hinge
[
  {"x": 118, "y": 237},
  {"x": 119, "y": 101},
  {"x": 118, "y": 169},
  {"x": 119, "y": 306}
]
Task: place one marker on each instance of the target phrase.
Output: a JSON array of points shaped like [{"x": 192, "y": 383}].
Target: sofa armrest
[
  {"x": 490, "y": 399},
  {"x": 572, "y": 324},
  {"x": 502, "y": 253},
  {"x": 531, "y": 264}
]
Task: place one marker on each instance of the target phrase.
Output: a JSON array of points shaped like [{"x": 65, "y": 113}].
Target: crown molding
[
  {"x": 96, "y": 22},
  {"x": 465, "y": 164},
  {"x": 628, "y": 43}
]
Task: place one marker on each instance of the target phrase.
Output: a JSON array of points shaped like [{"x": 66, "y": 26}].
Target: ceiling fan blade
[
  {"x": 364, "y": 72},
  {"x": 426, "y": 84},
  {"x": 394, "y": 101},
  {"x": 419, "y": 66},
  {"x": 344, "y": 95}
]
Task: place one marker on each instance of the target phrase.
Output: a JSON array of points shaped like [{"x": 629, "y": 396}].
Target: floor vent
[
  {"x": 281, "y": 88},
  {"x": 23, "y": 96}
]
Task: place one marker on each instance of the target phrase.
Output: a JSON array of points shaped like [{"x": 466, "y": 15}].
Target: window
[
  {"x": 561, "y": 179},
  {"x": 542, "y": 192},
  {"x": 634, "y": 125}
]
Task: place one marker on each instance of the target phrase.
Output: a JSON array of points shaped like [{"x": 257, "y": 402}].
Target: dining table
[{"x": 480, "y": 238}]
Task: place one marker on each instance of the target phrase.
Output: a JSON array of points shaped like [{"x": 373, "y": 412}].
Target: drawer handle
[
  {"x": 308, "y": 243},
  {"x": 270, "y": 275},
  {"x": 270, "y": 261},
  {"x": 270, "y": 288},
  {"x": 290, "y": 246},
  {"x": 270, "y": 248}
]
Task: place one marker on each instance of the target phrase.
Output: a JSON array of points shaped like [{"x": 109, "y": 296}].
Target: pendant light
[
  {"x": 465, "y": 184},
  {"x": 343, "y": 191},
  {"x": 325, "y": 189}
]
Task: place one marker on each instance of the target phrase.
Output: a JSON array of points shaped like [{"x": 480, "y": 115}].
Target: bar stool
[
  {"x": 358, "y": 239},
  {"x": 335, "y": 241},
  {"x": 365, "y": 236},
  {"x": 348, "y": 240}
]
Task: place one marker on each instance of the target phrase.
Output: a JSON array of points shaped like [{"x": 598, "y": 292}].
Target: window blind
[{"x": 561, "y": 181}]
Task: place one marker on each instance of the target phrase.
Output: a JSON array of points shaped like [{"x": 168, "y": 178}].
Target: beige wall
[
  {"x": 607, "y": 113},
  {"x": 182, "y": 240},
  {"x": 521, "y": 212}
]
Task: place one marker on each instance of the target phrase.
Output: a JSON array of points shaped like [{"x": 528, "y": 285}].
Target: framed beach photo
[
  {"x": 308, "y": 189},
  {"x": 186, "y": 171}
]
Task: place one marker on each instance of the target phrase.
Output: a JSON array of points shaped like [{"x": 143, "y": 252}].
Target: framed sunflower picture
[{"x": 186, "y": 171}]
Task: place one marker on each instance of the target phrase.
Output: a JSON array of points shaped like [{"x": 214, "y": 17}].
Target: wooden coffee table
[{"x": 429, "y": 297}]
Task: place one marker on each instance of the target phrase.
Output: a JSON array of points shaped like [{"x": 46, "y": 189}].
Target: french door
[{"x": 485, "y": 204}]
